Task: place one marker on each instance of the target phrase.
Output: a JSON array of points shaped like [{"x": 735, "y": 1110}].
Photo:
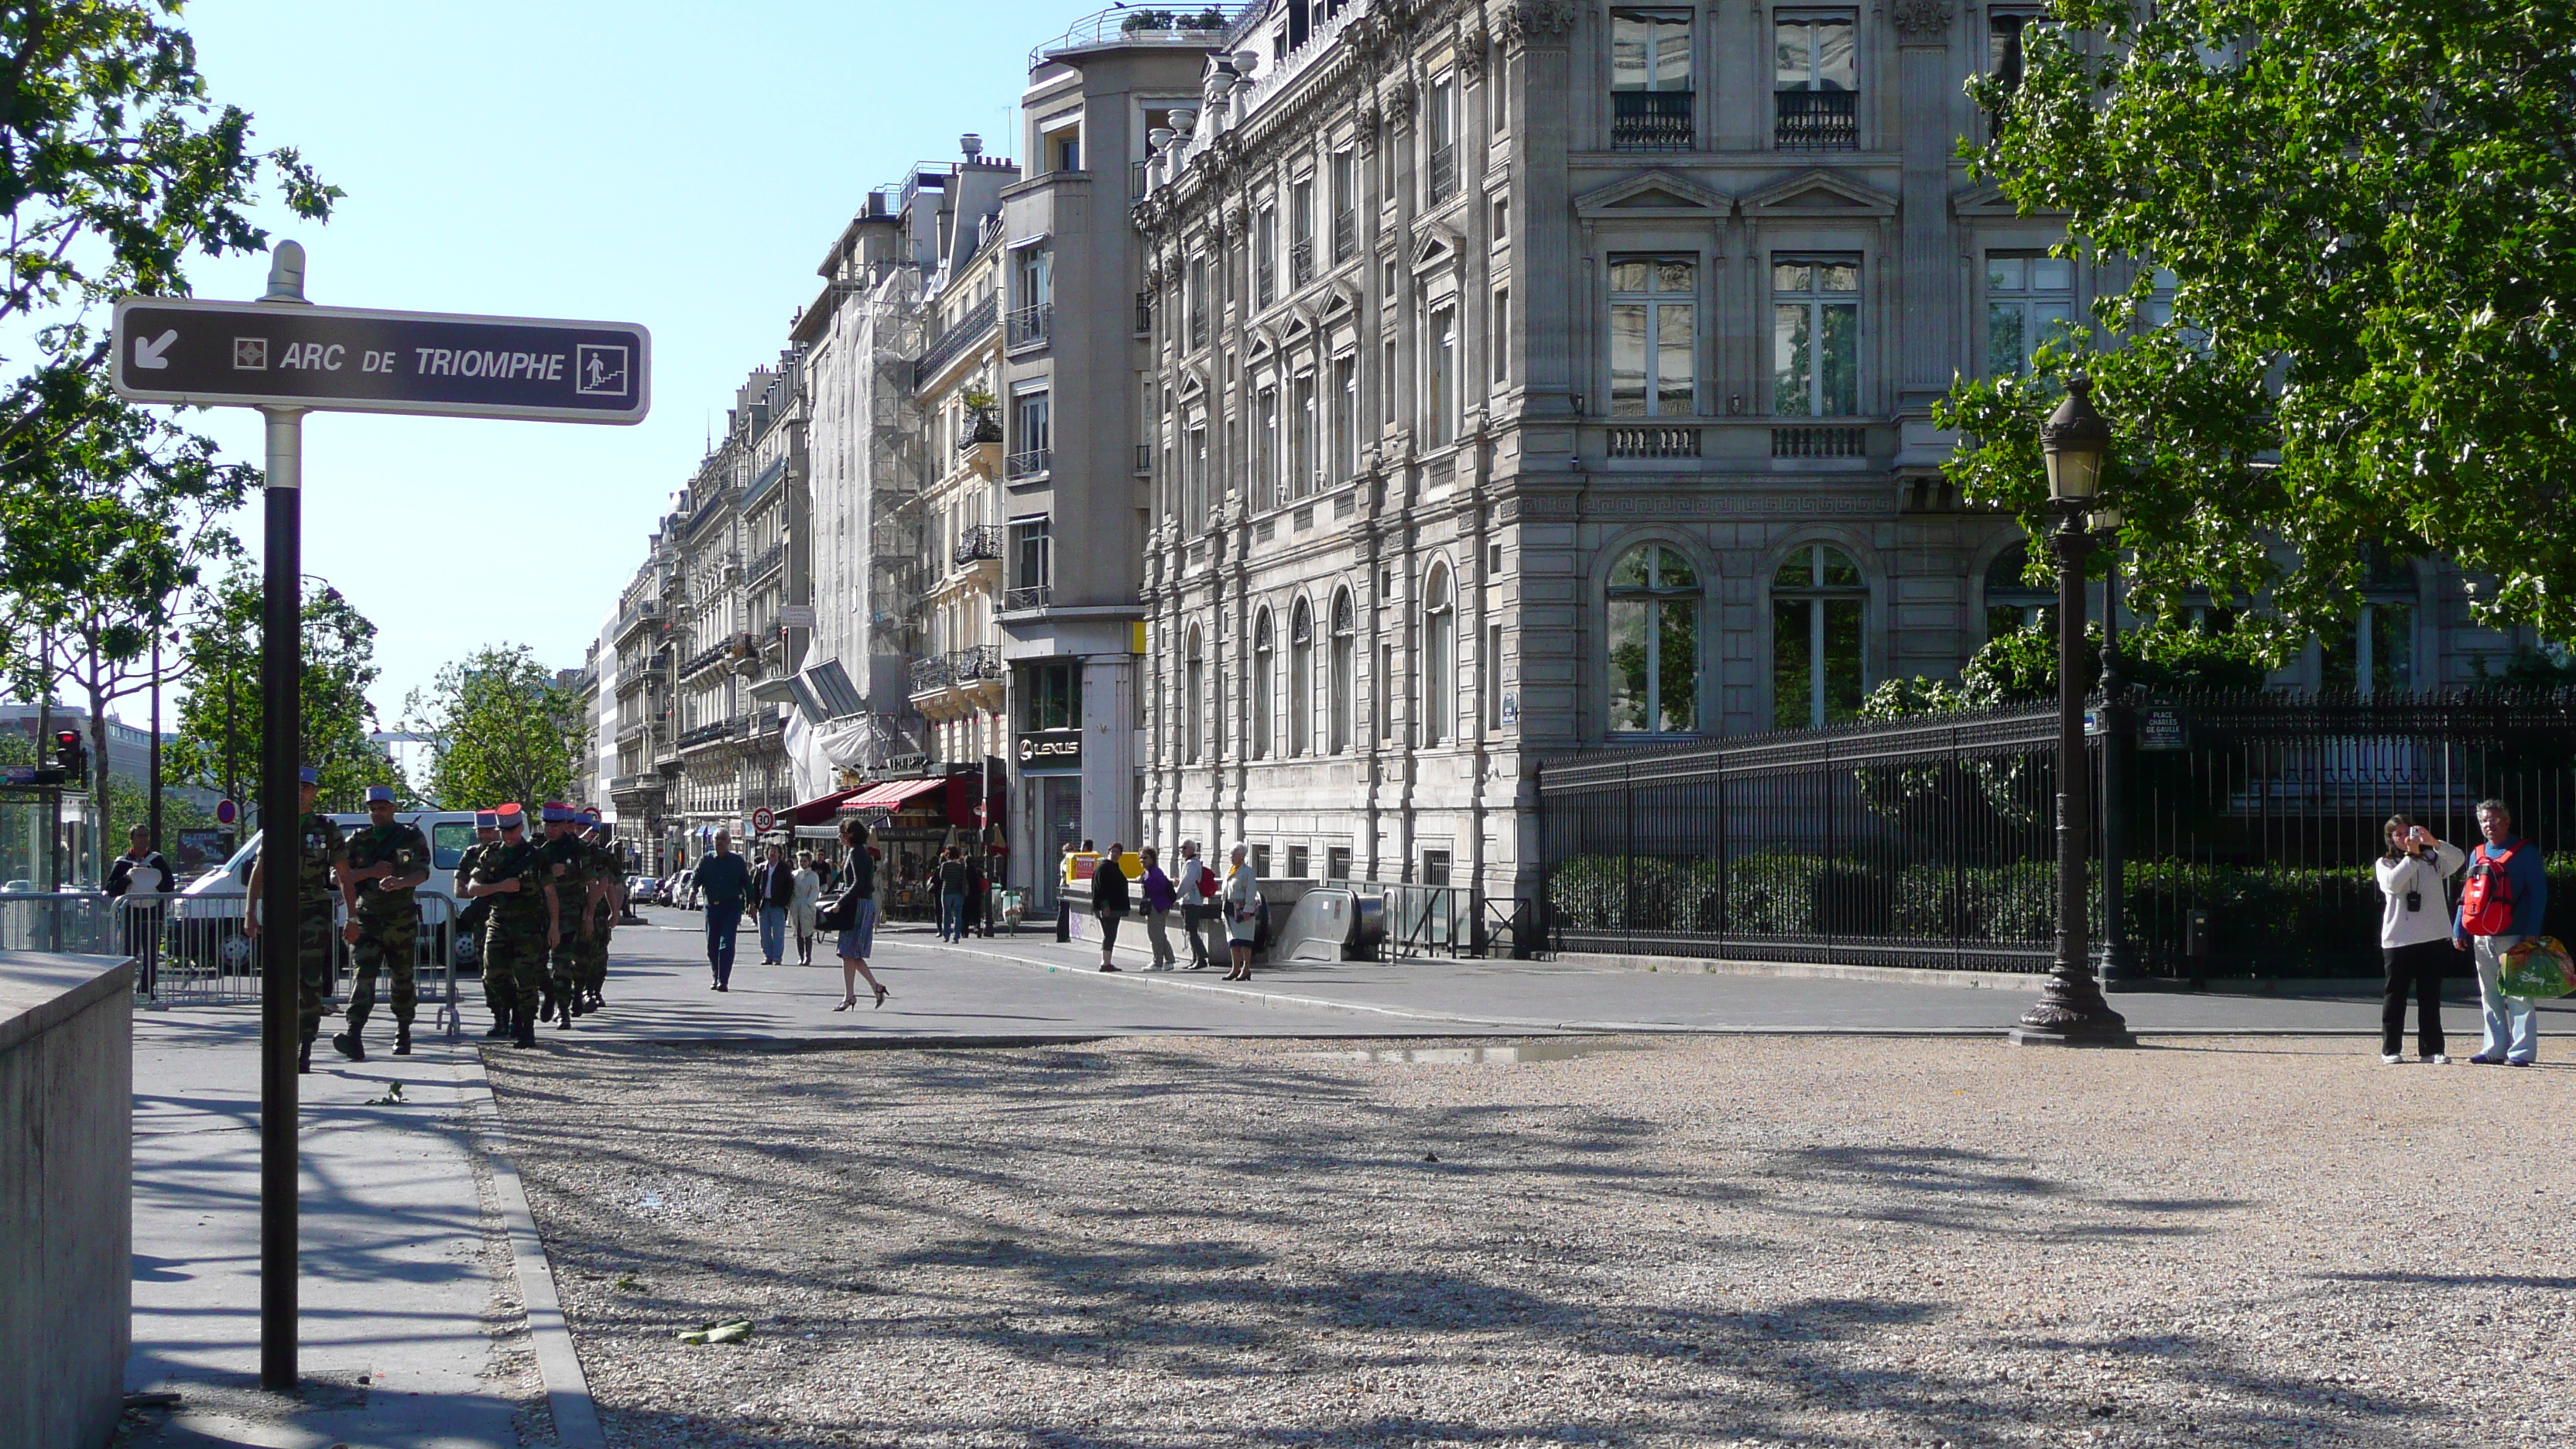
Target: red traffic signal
[{"x": 68, "y": 754}]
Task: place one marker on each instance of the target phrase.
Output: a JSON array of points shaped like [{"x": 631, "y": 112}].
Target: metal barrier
[{"x": 190, "y": 950}]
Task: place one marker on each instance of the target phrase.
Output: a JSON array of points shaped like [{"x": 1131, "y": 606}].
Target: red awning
[
  {"x": 890, "y": 794},
  {"x": 819, "y": 810}
]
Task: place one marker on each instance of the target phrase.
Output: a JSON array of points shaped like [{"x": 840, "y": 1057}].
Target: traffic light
[{"x": 69, "y": 756}]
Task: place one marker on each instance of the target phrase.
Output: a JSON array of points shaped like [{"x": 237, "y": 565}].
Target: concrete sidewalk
[{"x": 412, "y": 1330}]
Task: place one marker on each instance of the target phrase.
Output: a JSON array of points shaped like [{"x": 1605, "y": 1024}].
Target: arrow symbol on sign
[{"x": 147, "y": 351}]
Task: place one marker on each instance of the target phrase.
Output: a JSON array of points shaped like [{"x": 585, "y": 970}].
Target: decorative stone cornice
[
  {"x": 1537, "y": 22},
  {"x": 1922, "y": 22}
]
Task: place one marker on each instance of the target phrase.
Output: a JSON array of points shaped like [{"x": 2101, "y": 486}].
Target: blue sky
[{"x": 682, "y": 166}]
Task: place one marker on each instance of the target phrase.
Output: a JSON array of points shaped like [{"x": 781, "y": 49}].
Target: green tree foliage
[
  {"x": 501, "y": 729},
  {"x": 219, "y": 720},
  {"x": 2021, "y": 668},
  {"x": 2370, "y": 214},
  {"x": 115, "y": 169}
]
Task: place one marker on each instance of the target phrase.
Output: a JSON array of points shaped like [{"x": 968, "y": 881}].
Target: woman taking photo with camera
[{"x": 2414, "y": 935}]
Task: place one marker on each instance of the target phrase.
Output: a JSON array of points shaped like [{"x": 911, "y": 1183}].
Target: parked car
[
  {"x": 682, "y": 890},
  {"x": 204, "y": 923}
]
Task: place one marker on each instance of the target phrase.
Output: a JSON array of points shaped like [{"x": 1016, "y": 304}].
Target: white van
[{"x": 449, "y": 832}]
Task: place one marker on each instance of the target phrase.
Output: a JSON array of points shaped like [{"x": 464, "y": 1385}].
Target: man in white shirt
[
  {"x": 143, "y": 873},
  {"x": 1195, "y": 885}
]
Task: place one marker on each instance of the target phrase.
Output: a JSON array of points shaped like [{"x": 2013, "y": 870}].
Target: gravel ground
[{"x": 1735, "y": 1242}]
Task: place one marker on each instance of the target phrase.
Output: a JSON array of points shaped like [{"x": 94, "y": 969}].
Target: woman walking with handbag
[
  {"x": 2414, "y": 922},
  {"x": 1241, "y": 901},
  {"x": 855, "y": 916}
]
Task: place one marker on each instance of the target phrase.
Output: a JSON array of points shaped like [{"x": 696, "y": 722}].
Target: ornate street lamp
[{"x": 2070, "y": 1010}]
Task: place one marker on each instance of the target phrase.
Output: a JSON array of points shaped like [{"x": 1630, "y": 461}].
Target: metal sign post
[{"x": 286, "y": 357}]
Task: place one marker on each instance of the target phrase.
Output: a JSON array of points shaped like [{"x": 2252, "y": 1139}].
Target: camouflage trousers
[
  {"x": 314, "y": 940},
  {"x": 385, "y": 939},
  {"x": 591, "y": 963},
  {"x": 514, "y": 963}
]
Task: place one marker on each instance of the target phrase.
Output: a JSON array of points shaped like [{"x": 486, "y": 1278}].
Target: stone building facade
[{"x": 1537, "y": 377}]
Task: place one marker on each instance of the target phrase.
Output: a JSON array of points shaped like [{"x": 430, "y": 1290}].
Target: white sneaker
[
  {"x": 2439, "y": 1059},
  {"x": 2392, "y": 1059}
]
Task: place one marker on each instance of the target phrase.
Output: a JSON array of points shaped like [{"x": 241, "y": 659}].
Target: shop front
[{"x": 912, "y": 821}]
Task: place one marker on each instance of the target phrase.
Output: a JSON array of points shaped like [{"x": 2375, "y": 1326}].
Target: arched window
[
  {"x": 2012, "y": 601},
  {"x": 1301, "y": 679},
  {"x": 2379, "y": 653},
  {"x": 1265, "y": 685},
  {"x": 1817, "y": 601},
  {"x": 1654, "y": 642},
  {"x": 1194, "y": 700},
  {"x": 1345, "y": 681},
  {"x": 1439, "y": 659}
]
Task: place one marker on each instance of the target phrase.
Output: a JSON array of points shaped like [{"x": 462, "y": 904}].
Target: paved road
[{"x": 1026, "y": 986}]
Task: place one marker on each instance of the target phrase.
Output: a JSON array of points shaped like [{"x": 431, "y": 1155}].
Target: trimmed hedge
[{"x": 2262, "y": 921}]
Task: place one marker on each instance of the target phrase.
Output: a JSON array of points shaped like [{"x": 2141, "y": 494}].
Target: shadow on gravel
[{"x": 1318, "y": 1240}]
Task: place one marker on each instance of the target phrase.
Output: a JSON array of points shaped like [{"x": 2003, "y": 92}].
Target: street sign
[
  {"x": 227, "y": 812},
  {"x": 2161, "y": 727},
  {"x": 761, "y": 820},
  {"x": 355, "y": 359},
  {"x": 30, "y": 775}
]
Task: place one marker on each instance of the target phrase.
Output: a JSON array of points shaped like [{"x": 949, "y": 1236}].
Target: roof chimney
[{"x": 973, "y": 146}]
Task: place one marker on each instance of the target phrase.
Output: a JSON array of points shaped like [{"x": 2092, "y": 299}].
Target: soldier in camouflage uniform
[
  {"x": 320, "y": 849},
  {"x": 390, "y": 856},
  {"x": 497, "y": 990},
  {"x": 522, "y": 929},
  {"x": 607, "y": 899},
  {"x": 568, "y": 890}
]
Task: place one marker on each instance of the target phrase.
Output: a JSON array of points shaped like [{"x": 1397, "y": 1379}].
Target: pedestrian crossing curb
[{"x": 576, "y": 1418}]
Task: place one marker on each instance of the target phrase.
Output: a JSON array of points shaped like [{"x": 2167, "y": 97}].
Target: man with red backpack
[
  {"x": 1196, "y": 885},
  {"x": 2506, "y": 894}
]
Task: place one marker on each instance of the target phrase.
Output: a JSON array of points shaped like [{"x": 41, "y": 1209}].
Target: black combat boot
[
  {"x": 348, "y": 1045},
  {"x": 524, "y": 1031},
  {"x": 304, "y": 1057},
  {"x": 402, "y": 1038},
  {"x": 546, "y": 1004},
  {"x": 563, "y": 1013}
]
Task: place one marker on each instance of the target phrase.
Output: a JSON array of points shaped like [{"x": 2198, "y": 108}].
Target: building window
[
  {"x": 1064, "y": 150},
  {"x": 1650, "y": 80},
  {"x": 1384, "y": 692},
  {"x": 1198, "y": 301},
  {"x": 2030, "y": 300},
  {"x": 1194, "y": 700},
  {"x": 1297, "y": 857},
  {"x": 1301, "y": 680},
  {"x": 1051, "y": 696},
  {"x": 1265, "y": 257},
  {"x": 1815, "y": 338},
  {"x": 1346, "y": 418},
  {"x": 1265, "y": 684},
  {"x": 1194, "y": 473},
  {"x": 1499, "y": 340},
  {"x": 1306, "y": 458},
  {"x": 1493, "y": 672},
  {"x": 1654, "y": 312},
  {"x": 1032, "y": 560},
  {"x": 1654, "y": 642},
  {"x": 1301, "y": 233},
  {"x": 1344, "y": 682},
  {"x": 1386, "y": 378},
  {"x": 2379, "y": 654},
  {"x": 1031, "y": 442},
  {"x": 1440, "y": 380},
  {"x": 1265, "y": 463},
  {"x": 1815, "y": 84},
  {"x": 2157, "y": 310},
  {"x": 1337, "y": 862},
  {"x": 1440, "y": 130},
  {"x": 1261, "y": 861},
  {"x": 1344, "y": 175},
  {"x": 1817, "y": 602},
  {"x": 2013, "y": 603},
  {"x": 1439, "y": 659}
]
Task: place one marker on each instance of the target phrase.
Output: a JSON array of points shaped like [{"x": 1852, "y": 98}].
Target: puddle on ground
[{"x": 1469, "y": 1056}]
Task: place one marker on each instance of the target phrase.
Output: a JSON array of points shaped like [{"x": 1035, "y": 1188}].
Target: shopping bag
[{"x": 2537, "y": 966}]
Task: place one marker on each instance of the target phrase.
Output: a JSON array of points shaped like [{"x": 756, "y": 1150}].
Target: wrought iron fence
[
  {"x": 2234, "y": 838},
  {"x": 1650, "y": 121},
  {"x": 1816, "y": 121}
]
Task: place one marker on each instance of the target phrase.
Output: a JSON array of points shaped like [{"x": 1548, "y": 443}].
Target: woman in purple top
[{"x": 1159, "y": 898}]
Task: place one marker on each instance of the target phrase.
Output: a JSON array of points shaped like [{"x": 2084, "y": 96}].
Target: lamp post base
[{"x": 2071, "y": 1012}]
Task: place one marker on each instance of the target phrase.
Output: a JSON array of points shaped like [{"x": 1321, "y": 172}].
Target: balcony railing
[
  {"x": 1817, "y": 121},
  {"x": 1654, "y": 442},
  {"x": 705, "y": 734},
  {"x": 1034, "y": 596},
  {"x": 1346, "y": 236},
  {"x": 979, "y": 661},
  {"x": 974, "y": 541},
  {"x": 707, "y": 656},
  {"x": 635, "y": 785},
  {"x": 1301, "y": 263},
  {"x": 768, "y": 562},
  {"x": 1444, "y": 174},
  {"x": 1823, "y": 441},
  {"x": 1654, "y": 120},
  {"x": 1029, "y": 326},
  {"x": 977, "y": 321},
  {"x": 1027, "y": 464},
  {"x": 929, "y": 674}
]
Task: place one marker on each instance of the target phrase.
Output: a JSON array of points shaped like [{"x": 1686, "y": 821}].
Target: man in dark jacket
[
  {"x": 723, "y": 884},
  {"x": 1109, "y": 902},
  {"x": 776, "y": 891}
]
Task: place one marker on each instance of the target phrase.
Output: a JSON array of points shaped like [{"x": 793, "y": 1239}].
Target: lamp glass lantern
[{"x": 2074, "y": 440}]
